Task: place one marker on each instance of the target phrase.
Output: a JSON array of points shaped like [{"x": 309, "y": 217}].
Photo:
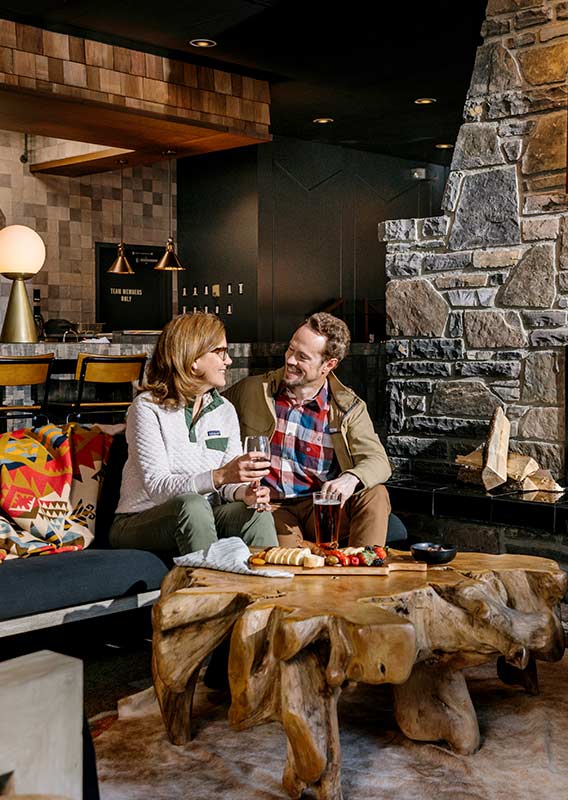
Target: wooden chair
[
  {"x": 107, "y": 372},
  {"x": 26, "y": 371}
]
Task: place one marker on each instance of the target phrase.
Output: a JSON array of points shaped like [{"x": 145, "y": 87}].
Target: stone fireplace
[{"x": 477, "y": 299}]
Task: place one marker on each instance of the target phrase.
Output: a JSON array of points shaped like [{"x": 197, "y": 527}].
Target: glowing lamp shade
[
  {"x": 21, "y": 250},
  {"x": 22, "y": 254}
]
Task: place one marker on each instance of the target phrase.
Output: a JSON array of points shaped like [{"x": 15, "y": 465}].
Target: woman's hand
[
  {"x": 252, "y": 495},
  {"x": 243, "y": 469}
]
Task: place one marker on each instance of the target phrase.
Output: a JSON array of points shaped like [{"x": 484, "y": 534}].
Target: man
[{"x": 322, "y": 438}]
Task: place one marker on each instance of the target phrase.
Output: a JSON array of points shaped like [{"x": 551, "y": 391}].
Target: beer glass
[
  {"x": 326, "y": 517},
  {"x": 259, "y": 449}
]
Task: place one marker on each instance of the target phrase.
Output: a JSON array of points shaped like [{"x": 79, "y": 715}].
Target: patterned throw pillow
[{"x": 49, "y": 485}]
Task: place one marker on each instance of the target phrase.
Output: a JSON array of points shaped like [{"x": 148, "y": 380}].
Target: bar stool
[
  {"x": 110, "y": 371},
  {"x": 25, "y": 371}
]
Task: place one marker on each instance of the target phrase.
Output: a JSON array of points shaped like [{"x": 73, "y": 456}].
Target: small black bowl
[{"x": 433, "y": 553}]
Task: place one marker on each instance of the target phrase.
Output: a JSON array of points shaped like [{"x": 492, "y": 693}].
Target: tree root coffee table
[{"x": 296, "y": 641}]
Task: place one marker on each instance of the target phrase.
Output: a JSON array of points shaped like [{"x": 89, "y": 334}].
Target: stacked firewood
[{"x": 493, "y": 465}]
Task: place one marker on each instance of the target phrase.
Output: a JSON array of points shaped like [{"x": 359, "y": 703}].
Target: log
[
  {"x": 294, "y": 643},
  {"x": 470, "y": 475},
  {"x": 543, "y": 481},
  {"x": 496, "y": 449},
  {"x": 526, "y": 485},
  {"x": 470, "y": 467},
  {"x": 520, "y": 467},
  {"x": 523, "y": 473},
  {"x": 473, "y": 459}
]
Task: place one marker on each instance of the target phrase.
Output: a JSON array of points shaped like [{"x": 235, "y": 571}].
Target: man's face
[{"x": 305, "y": 365}]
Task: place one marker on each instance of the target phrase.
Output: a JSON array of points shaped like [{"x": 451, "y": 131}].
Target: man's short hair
[{"x": 335, "y": 331}]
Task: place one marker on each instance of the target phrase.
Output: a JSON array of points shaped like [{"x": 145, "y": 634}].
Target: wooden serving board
[{"x": 396, "y": 564}]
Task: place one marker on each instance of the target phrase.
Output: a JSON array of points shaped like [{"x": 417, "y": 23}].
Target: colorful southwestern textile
[{"x": 49, "y": 485}]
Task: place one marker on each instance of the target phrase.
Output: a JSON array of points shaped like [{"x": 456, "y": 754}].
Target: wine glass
[{"x": 259, "y": 449}]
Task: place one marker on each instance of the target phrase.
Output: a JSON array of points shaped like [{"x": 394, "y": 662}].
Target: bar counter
[
  {"x": 63, "y": 386},
  {"x": 68, "y": 351}
]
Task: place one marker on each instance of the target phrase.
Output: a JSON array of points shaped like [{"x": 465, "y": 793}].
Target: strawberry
[{"x": 366, "y": 558}]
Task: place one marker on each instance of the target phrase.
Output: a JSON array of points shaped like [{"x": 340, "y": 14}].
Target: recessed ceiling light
[
  {"x": 444, "y": 146},
  {"x": 425, "y": 101},
  {"x": 203, "y": 43},
  {"x": 323, "y": 120}
]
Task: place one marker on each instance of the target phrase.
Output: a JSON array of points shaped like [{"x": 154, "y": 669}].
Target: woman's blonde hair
[{"x": 170, "y": 376}]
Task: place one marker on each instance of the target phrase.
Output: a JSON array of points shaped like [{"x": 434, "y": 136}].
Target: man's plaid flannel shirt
[{"x": 302, "y": 452}]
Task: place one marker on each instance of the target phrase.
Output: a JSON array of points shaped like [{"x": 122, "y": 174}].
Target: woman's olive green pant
[{"x": 188, "y": 522}]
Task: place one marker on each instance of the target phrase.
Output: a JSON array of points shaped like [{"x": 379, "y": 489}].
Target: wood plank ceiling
[{"x": 139, "y": 107}]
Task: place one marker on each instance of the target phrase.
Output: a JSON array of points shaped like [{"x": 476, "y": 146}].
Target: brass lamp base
[{"x": 19, "y": 325}]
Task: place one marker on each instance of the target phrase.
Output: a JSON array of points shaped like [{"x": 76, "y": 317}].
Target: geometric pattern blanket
[{"x": 50, "y": 479}]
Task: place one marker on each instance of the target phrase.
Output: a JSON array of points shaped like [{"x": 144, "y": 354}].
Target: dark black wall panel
[
  {"x": 296, "y": 223},
  {"x": 307, "y": 262},
  {"x": 218, "y": 235}
]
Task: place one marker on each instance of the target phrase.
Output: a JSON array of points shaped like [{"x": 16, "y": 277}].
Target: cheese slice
[
  {"x": 293, "y": 556},
  {"x": 313, "y": 561},
  {"x": 300, "y": 556}
]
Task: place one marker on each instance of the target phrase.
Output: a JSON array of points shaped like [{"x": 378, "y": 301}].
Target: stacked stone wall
[{"x": 477, "y": 300}]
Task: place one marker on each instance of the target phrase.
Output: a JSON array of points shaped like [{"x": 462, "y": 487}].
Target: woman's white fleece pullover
[{"x": 165, "y": 458}]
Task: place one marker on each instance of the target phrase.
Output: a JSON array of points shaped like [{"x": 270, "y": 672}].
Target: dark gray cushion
[
  {"x": 45, "y": 583},
  {"x": 110, "y": 490},
  {"x": 396, "y": 530}
]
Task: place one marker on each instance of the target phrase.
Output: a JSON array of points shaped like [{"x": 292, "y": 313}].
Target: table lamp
[{"x": 22, "y": 254}]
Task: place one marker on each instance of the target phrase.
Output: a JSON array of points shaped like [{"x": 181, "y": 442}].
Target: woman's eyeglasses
[{"x": 222, "y": 352}]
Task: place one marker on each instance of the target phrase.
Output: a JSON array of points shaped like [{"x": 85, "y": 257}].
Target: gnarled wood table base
[{"x": 295, "y": 641}]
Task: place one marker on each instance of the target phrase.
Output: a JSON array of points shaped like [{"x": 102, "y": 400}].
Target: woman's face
[{"x": 213, "y": 365}]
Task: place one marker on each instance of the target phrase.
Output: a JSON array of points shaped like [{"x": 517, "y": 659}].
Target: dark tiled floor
[{"x": 116, "y": 655}]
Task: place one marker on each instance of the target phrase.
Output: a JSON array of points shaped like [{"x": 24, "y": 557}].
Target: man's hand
[{"x": 342, "y": 488}]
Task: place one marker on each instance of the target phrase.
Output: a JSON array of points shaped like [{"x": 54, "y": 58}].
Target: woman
[{"x": 186, "y": 481}]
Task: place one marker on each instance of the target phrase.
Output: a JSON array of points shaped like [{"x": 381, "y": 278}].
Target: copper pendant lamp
[
  {"x": 169, "y": 261},
  {"x": 120, "y": 265}
]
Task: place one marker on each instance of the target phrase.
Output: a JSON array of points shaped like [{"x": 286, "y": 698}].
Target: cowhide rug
[{"x": 524, "y": 752}]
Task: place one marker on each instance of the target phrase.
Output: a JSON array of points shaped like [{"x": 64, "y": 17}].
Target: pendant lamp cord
[
  {"x": 122, "y": 163},
  {"x": 170, "y": 204},
  {"x": 121, "y": 202}
]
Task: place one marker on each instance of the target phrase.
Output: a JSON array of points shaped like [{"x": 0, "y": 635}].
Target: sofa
[{"x": 44, "y": 591}]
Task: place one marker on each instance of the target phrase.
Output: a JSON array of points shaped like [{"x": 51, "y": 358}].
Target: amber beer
[{"x": 326, "y": 518}]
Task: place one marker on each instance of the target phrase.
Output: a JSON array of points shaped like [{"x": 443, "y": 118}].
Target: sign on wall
[{"x": 141, "y": 301}]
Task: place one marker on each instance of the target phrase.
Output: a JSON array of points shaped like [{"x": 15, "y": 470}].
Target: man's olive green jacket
[{"x": 357, "y": 446}]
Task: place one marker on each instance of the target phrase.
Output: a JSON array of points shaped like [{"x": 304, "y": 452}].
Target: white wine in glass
[{"x": 258, "y": 446}]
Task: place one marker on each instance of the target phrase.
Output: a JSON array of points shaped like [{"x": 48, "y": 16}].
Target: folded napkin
[{"x": 228, "y": 555}]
